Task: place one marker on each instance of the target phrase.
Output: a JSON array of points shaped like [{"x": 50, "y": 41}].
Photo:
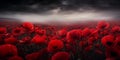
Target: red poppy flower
[
  {"x": 116, "y": 29},
  {"x": 104, "y": 32},
  {"x": 18, "y": 31},
  {"x": 8, "y": 50},
  {"x": 117, "y": 42},
  {"x": 86, "y": 32},
  {"x": 40, "y": 31},
  {"x": 39, "y": 39},
  {"x": 92, "y": 29},
  {"x": 39, "y": 55},
  {"x": 94, "y": 33},
  {"x": 102, "y": 25},
  {"x": 88, "y": 48},
  {"x": 1, "y": 40},
  {"x": 50, "y": 31},
  {"x": 97, "y": 46},
  {"x": 53, "y": 37},
  {"x": 55, "y": 45},
  {"x": 43, "y": 54},
  {"x": 11, "y": 40},
  {"x": 25, "y": 40},
  {"x": 32, "y": 56},
  {"x": 112, "y": 52},
  {"x": 91, "y": 40},
  {"x": 29, "y": 26},
  {"x": 107, "y": 40},
  {"x": 3, "y": 30},
  {"x": 74, "y": 35},
  {"x": 117, "y": 37},
  {"x": 8, "y": 35},
  {"x": 15, "y": 58},
  {"x": 61, "y": 56},
  {"x": 63, "y": 39},
  {"x": 62, "y": 32},
  {"x": 37, "y": 28}
]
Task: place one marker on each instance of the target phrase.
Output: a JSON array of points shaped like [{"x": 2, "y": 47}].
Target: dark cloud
[{"x": 45, "y": 5}]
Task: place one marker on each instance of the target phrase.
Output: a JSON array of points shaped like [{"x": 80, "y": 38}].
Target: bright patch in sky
[{"x": 63, "y": 16}]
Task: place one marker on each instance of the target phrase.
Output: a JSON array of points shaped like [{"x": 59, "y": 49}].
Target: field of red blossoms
[{"x": 88, "y": 41}]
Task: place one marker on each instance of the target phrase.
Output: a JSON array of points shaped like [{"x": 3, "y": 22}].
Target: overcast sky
[{"x": 60, "y": 10}]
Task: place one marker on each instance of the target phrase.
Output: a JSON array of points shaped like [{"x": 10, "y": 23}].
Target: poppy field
[{"x": 88, "y": 41}]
